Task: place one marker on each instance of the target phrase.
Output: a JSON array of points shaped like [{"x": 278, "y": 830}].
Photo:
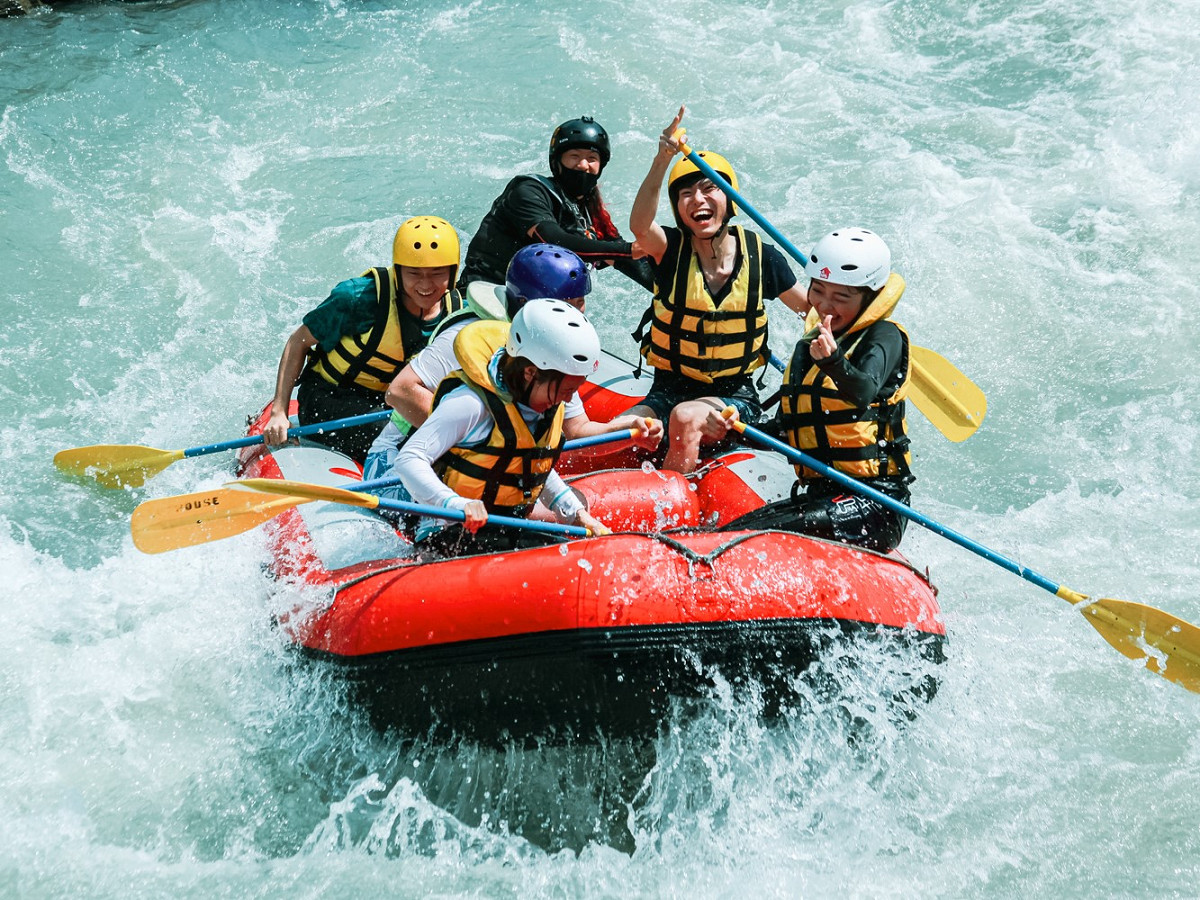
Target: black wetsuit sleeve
[
  {"x": 525, "y": 203},
  {"x": 529, "y": 205},
  {"x": 876, "y": 359},
  {"x": 589, "y": 249}
]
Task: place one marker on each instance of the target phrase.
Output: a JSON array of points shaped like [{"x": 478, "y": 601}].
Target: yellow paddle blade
[
  {"x": 948, "y": 398},
  {"x": 310, "y": 491},
  {"x": 115, "y": 465},
  {"x": 944, "y": 395},
  {"x": 1167, "y": 645},
  {"x": 191, "y": 519}
]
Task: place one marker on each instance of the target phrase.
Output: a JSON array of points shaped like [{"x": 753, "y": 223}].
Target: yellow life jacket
[
  {"x": 865, "y": 442},
  {"x": 509, "y": 469},
  {"x": 481, "y": 300},
  {"x": 372, "y": 359},
  {"x": 693, "y": 336}
]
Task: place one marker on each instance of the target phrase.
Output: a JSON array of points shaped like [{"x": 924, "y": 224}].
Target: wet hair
[{"x": 511, "y": 371}]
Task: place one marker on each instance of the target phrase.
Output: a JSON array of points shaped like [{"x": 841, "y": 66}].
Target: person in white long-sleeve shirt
[
  {"x": 496, "y": 428},
  {"x": 537, "y": 272}
]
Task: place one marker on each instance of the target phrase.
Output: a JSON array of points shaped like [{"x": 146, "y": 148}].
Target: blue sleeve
[{"x": 349, "y": 309}]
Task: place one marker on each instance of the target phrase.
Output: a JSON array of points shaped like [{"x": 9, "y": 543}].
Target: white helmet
[
  {"x": 851, "y": 256},
  {"x": 554, "y": 335}
]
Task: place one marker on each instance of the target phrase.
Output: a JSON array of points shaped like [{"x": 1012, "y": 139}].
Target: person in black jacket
[
  {"x": 842, "y": 399},
  {"x": 565, "y": 209}
]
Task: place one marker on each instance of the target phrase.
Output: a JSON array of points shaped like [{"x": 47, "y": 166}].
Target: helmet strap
[{"x": 719, "y": 236}]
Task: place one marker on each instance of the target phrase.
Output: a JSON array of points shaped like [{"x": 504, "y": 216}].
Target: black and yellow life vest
[
  {"x": 509, "y": 469},
  {"x": 693, "y": 336},
  {"x": 480, "y": 300},
  {"x": 866, "y": 442},
  {"x": 372, "y": 359}
]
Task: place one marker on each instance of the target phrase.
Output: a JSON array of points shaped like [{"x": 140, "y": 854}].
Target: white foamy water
[{"x": 181, "y": 181}]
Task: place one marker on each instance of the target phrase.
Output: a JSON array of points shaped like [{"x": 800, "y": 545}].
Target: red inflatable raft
[{"x": 587, "y": 634}]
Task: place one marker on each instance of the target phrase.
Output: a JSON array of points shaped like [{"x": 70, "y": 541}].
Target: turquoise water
[{"x": 182, "y": 181}]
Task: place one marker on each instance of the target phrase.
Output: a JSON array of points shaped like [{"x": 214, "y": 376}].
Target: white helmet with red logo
[
  {"x": 555, "y": 336},
  {"x": 851, "y": 256}
]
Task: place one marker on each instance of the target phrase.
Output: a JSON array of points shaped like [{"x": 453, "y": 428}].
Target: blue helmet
[{"x": 545, "y": 272}]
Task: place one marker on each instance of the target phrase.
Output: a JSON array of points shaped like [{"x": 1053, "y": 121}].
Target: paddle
[
  {"x": 1165, "y": 644},
  {"x": 129, "y": 465},
  {"x": 948, "y": 398},
  {"x": 939, "y": 390},
  {"x": 369, "y": 501},
  {"x": 187, "y": 520}
]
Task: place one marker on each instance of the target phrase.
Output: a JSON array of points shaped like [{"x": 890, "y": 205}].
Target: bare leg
[{"x": 692, "y": 425}]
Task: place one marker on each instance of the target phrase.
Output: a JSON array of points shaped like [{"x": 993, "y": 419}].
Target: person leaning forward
[
  {"x": 496, "y": 428},
  {"x": 353, "y": 344},
  {"x": 706, "y": 329}
]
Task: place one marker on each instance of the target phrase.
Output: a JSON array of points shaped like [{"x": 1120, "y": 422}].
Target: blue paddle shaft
[
  {"x": 456, "y": 515},
  {"x": 300, "y": 431},
  {"x": 715, "y": 177},
  {"x": 899, "y": 508},
  {"x": 607, "y": 437}
]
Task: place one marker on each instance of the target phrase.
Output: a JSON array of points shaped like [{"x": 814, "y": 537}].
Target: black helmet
[{"x": 575, "y": 133}]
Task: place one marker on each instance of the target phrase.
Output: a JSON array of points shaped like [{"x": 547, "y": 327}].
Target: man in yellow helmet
[
  {"x": 706, "y": 330},
  {"x": 361, "y": 335}
]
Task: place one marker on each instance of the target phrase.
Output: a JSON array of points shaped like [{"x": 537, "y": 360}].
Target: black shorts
[
  {"x": 320, "y": 401},
  {"x": 670, "y": 389},
  {"x": 829, "y": 511}
]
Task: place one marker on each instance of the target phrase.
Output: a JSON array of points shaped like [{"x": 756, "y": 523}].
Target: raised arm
[{"x": 648, "y": 234}]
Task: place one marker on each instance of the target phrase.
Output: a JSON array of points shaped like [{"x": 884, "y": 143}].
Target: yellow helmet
[
  {"x": 425, "y": 242},
  {"x": 685, "y": 167}
]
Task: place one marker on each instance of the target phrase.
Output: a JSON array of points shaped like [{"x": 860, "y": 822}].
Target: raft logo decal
[
  {"x": 825, "y": 273},
  {"x": 201, "y": 503}
]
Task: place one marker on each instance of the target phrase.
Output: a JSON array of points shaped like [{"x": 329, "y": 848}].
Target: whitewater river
[{"x": 181, "y": 181}]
